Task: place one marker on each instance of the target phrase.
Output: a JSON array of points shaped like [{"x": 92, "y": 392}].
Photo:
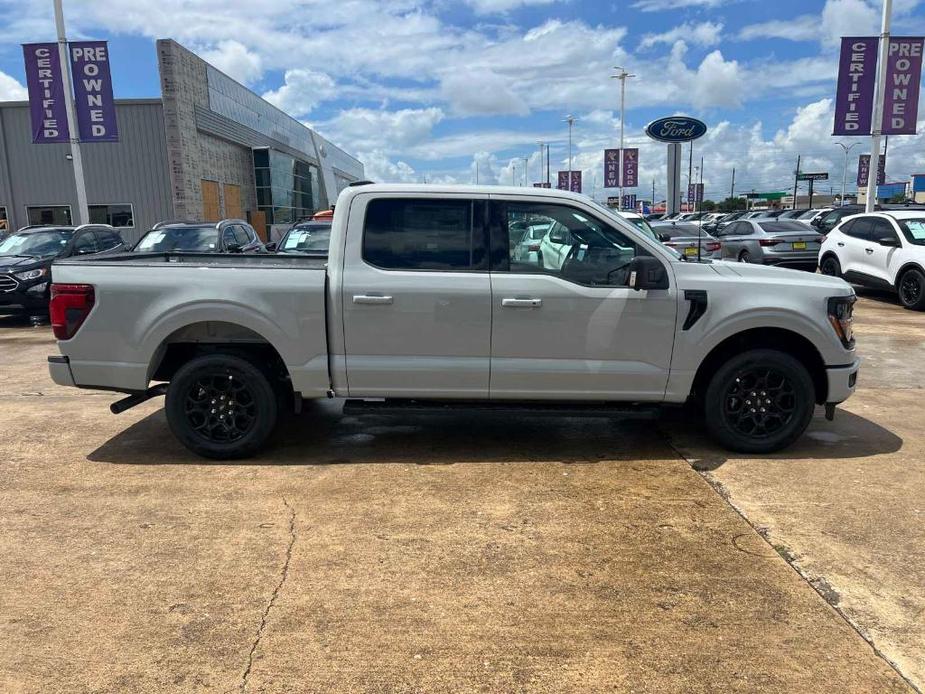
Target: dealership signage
[
  {"x": 621, "y": 172},
  {"x": 864, "y": 170},
  {"x": 676, "y": 129},
  {"x": 541, "y": 185},
  {"x": 93, "y": 100},
  {"x": 812, "y": 176},
  {"x": 96, "y": 111},
  {"x": 47, "y": 107},
  {"x": 857, "y": 70},
  {"x": 629, "y": 201},
  {"x": 695, "y": 192},
  {"x": 572, "y": 183}
]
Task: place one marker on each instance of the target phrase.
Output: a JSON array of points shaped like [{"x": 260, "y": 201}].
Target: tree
[
  {"x": 731, "y": 205},
  {"x": 708, "y": 206}
]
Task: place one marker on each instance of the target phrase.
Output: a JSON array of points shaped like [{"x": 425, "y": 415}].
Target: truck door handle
[
  {"x": 841, "y": 245},
  {"x": 371, "y": 299},
  {"x": 522, "y": 303},
  {"x": 868, "y": 250}
]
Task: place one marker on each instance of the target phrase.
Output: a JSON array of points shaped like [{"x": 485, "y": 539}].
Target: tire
[
  {"x": 769, "y": 379},
  {"x": 745, "y": 257},
  {"x": 221, "y": 406},
  {"x": 911, "y": 288},
  {"x": 830, "y": 266}
]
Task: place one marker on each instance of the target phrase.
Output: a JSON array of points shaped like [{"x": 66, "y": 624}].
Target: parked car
[
  {"x": 792, "y": 214},
  {"x": 729, "y": 219},
  {"x": 305, "y": 237},
  {"x": 421, "y": 307},
  {"x": 885, "y": 250},
  {"x": 824, "y": 223},
  {"x": 786, "y": 243},
  {"x": 654, "y": 217},
  {"x": 685, "y": 237},
  {"x": 26, "y": 257},
  {"x": 226, "y": 236}
]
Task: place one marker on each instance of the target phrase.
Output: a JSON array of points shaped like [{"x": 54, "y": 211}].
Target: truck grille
[{"x": 7, "y": 283}]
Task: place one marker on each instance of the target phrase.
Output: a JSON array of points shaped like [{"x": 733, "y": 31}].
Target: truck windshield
[
  {"x": 41, "y": 244},
  {"x": 198, "y": 239}
]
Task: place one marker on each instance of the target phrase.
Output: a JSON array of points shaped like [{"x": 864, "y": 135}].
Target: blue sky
[{"x": 421, "y": 89}]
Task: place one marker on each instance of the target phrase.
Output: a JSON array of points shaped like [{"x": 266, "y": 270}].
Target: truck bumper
[
  {"x": 60, "y": 369},
  {"x": 842, "y": 381}
]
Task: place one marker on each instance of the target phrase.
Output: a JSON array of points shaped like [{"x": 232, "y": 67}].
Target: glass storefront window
[
  {"x": 57, "y": 215},
  {"x": 287, "y": 188},
  {"x": 120, "y": 215}
]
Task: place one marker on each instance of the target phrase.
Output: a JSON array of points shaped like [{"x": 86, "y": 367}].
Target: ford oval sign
[{"x": 676, "y": 129}]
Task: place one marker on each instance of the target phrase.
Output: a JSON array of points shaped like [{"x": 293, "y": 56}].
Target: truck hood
[
  {"x": 778, "y": 275},
  {"x": 18, "y": 263}
]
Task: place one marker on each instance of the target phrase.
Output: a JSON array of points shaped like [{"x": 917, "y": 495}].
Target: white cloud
[
  {"x": 849, "y": 18},
  {"x": 674, "y": 5},
  {"x": 802, "y": 28},
  {"x": 501, "y": 6},
  {"x": 365, "y": 129},
  {"x": 301, "y": 91},
  {"x": 481, "y": 92},
  {"x": 702, "y": 33},
  {"x": 379, "y": 168},
  {"x": 11, "y": 90},
  {"x": 235, "y": 60}
]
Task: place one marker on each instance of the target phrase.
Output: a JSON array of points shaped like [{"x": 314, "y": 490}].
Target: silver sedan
[{"x": 785, "y": 242}]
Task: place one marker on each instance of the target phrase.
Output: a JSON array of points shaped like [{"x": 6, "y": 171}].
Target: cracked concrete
[{"x": 284, "y": 573}]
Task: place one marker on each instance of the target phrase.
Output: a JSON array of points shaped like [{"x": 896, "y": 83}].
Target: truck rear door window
[{"x": 419, "y": 234}]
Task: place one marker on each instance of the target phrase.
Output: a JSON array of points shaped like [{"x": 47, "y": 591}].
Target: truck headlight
[
  {"x": 841, "y": 316},
  {"x": 31, "y": 274}
]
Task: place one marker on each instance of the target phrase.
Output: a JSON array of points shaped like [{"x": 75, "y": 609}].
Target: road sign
[{"x": 813, "y": 176}]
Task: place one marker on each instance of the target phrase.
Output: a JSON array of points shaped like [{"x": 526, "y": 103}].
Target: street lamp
[
  {"x": 570, "y": 120},
  {"x": 621, "y": 75},
  {"x": 844, "y": 177}
]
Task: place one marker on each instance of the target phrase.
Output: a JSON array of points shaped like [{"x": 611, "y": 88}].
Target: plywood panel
[
  {"x": 258, "y": 220},
  {"x": 211, "y": 207},
  {"x": 233, "y": 201}
]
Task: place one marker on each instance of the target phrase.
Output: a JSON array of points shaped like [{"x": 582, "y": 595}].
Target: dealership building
[{"x": 207, "y": 149}]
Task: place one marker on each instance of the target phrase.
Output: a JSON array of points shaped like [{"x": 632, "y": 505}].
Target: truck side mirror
[{"x": 646, "y": 272}]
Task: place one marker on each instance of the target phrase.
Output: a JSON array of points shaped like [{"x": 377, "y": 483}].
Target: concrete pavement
[{"x": 376, "y": 554}]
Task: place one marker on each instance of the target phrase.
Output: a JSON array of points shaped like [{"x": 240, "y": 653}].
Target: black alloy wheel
[
  {"x": 221, "y": 406},
  {"x": 912, "y": 289},
  {"x": 759, "y": 401},
  {"x": 830, "y": 266}
]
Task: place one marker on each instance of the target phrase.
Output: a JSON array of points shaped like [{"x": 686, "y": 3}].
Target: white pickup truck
[{"x": 427, "y": 300}]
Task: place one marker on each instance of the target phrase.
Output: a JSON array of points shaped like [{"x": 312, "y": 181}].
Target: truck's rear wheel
[
  {"x": 221, "y": 406},
  {"x": 759, "y": 401}
]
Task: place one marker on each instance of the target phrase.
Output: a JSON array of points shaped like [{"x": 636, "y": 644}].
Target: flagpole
[
  {"x": 83, "y": 213},
  {"x": 878, "y": 107}
]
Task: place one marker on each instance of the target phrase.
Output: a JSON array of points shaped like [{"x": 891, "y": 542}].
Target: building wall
[{"x": 133, "y": 170}]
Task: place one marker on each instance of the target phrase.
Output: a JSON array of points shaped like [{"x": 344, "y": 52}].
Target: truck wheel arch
[
  {"x": 780, "y": 339},
  {"x": 204, "y": 337}
]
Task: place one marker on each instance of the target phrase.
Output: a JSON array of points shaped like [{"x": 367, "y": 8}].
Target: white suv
[{"x": 885, "y": 250}]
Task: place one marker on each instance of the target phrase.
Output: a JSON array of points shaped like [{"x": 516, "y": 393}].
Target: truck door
[
  {"x": 416, "y": 297},
  {"x": 577, "y": 332}
]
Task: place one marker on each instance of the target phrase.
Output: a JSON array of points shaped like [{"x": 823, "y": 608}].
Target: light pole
[
  {"x": 541, "y": 145},
  {"x": 526, "y": 167},
  {"x": 570, "y": 120},
  {"x": 513, "y": 174},
  {"x": 621, "y": 75},
  {"x": 844, "y": 176},
  {"x": 878, "y": 107}
]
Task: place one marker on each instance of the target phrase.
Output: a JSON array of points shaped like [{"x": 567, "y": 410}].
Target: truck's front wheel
[
  {"x": 221, "y": 406},
  {"x": 759, "y": 401}
]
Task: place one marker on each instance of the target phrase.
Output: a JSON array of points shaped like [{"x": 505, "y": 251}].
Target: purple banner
[
  {"x": 903, "y": 75},
  {"x": 572, "y": 183},
  {"x": 562, "y": 183},
  {"x": 864, "y": 170},
  {"x": 630, "y": 168},
  {"x": 576, "y": 182},
  {"x": 96, "y": 110},
  {"x": 629, "y": 201},
  {"x": 695, "y": 192},
  {"x": 854, "y": 96},
  {"x": 46, "y": 93},
  {"x": 611, "y": 168}
]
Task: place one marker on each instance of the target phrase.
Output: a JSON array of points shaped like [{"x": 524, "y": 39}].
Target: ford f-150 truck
[{"x": 424, "y": 302}]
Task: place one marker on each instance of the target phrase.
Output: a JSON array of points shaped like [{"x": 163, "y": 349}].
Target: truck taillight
[{"x": 70, "y": 306}]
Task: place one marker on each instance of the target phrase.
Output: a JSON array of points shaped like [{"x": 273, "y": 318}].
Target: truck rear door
[{"x": 416, "y": 296}]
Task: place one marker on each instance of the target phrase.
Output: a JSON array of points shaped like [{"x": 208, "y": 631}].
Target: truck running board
[{"x": 455, "y": 407}]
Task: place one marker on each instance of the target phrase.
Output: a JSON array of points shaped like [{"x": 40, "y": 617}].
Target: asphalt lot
[{"x": 465, "y": 553}]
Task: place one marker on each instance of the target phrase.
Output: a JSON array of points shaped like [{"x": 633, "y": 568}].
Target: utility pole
[
  {"x": 621, "y": 75},
  {"x": 844, "y": 175},
  {"x": 570, "y": 120},
  {"x": 476, "y": 173},
  {"x": 513, "y": 174},
  {"x": 83, "y": 213},
  {"x": 796, "y": 181},
  {"x": 653, "y": 194},
  {"x": 694, "y": 201},
  {"x": 732, "y": 188},
  {"x": 526, "y": 166},
  {"x": 878, "y": 106},
  {"x": 540, "y": 179},
  {"x": 690, "y": 176},
  {"x": 699, "y": 194},
  {"x": 547, "y": 166}
]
